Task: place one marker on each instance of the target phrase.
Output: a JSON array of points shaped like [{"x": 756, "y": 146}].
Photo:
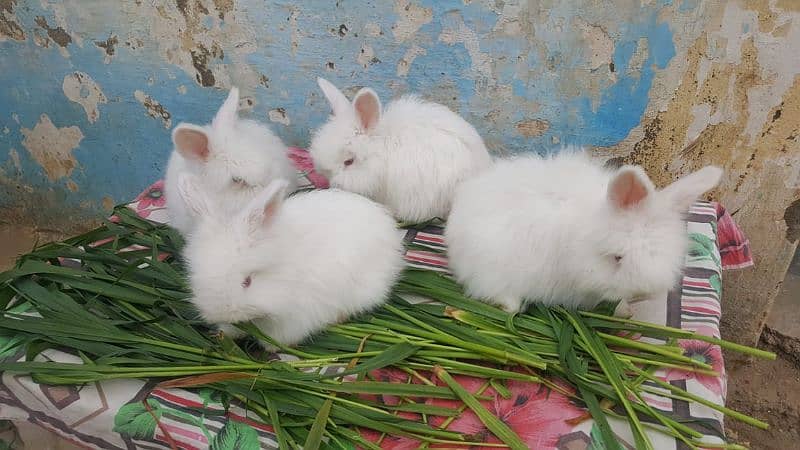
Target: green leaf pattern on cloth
[
  {"x": 234, "y": 436},
  {"x": 716, "y": 283},
  {"x": 597, "y": 440},
  {"x": 211, "y": 397},
  {"x": 702, "y": 247},
  {"x": 135, "y": 421}
]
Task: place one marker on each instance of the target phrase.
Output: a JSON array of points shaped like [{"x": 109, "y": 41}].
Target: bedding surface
[{"x": 111, "y": 415}]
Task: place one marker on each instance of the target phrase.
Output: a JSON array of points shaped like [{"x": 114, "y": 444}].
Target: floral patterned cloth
[
  {"x": 150, "y": 199},
  {"x": 128, "y": 414},
  {"x": 539, "y": 415}
]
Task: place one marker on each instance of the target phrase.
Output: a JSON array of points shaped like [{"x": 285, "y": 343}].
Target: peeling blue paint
[
  {"x": 538, "y": 71},
  {"x": 687, "y": 5},
  {"x": 623, "y": 103}
]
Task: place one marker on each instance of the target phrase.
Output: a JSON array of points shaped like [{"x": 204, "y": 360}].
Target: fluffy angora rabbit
[
  {"x": 409, "y": 157},
  {"x": 564, "y": 230},
  {"x": 234, "y": 159},
  {"x": 292, "y": 265}
]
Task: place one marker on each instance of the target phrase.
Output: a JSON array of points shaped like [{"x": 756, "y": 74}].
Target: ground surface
[{"x": 769, "y": 390}]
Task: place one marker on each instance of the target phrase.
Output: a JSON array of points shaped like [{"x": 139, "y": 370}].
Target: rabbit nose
[{"x": 326, "y": 173}]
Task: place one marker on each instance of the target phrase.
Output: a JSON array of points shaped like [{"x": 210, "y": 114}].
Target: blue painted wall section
[{"x": 530, "y": 77}]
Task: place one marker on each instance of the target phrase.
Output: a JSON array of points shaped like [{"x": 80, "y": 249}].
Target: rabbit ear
[
  {"x": 339, "y": 103},
  {"x": 368, "y": 108},
  {"x": 681, "y": 194},
  {"x": 629, "y": 188},
  {"x": 193, "y": 196},
  {"x": 262, "y": 209},
  {"x": 191, "y": 141},
  {"x": 226, "y": 116}
]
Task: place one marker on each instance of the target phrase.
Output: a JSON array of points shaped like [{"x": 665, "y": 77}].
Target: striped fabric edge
[
  {"x": 696, "y": 307},
  {"x": 179, "y": 403}
]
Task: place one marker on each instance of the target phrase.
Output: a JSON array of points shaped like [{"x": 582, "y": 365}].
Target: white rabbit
[
  {"x": 566, "y": 231},
  {"x": 235, "y": 159},
  {"x": 291, "y": 265},
  {"x": 409, "y": 157}
]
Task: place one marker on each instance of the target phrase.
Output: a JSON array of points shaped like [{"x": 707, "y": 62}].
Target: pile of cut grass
[{"x": 117, "y": 298}]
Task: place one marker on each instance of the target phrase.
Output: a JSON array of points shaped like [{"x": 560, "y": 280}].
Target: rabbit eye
[
  {"x": 617, "y": 258},
  {"x": 239, "y": 180},
  {"x": 247, "y": 281},
  {"x": 349, "y": 162}
]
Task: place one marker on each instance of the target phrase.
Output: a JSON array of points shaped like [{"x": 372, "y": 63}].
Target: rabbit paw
[
  {"x": 226, "y": 329},
  {"x": 511, "y": 305}
]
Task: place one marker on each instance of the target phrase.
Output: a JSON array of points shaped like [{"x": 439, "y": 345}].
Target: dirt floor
[{"x": 768, "y": 390}]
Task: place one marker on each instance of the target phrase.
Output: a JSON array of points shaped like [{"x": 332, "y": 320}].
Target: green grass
[{"x": 127, "y": 315}]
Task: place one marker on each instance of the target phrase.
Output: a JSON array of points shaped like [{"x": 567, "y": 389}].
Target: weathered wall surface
[
  {"x": 734, "y": 100},
  {"x": 89, "y": 90}
]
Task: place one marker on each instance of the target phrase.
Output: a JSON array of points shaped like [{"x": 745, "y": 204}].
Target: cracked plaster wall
[{"x": 88, "y": 92}]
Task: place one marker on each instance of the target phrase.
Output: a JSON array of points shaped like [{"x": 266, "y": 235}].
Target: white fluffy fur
[
  {"x": 549, "y": 230},
  {"x": 238, "y": 149},
  {"x": 409, "y": 157},
  {"x": 313, "y": 259}
]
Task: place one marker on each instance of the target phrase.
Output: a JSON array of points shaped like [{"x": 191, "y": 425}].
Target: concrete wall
[{"x": 89, "y": 90}]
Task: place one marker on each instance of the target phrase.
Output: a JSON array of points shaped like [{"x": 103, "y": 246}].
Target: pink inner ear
[
  {"x": 627, "y": 190},
  {"x": 270, "y": 209},
  {"x": 192, "y": 144},
  {"x": 368, "y": 109}
]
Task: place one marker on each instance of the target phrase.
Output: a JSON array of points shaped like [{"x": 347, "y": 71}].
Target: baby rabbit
[
  {"x": 566, "y": 231},
  {"x": 291, "y": 265},
  {"x": 235, "y": 159},
  {"x": 409, "y": 157}
]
